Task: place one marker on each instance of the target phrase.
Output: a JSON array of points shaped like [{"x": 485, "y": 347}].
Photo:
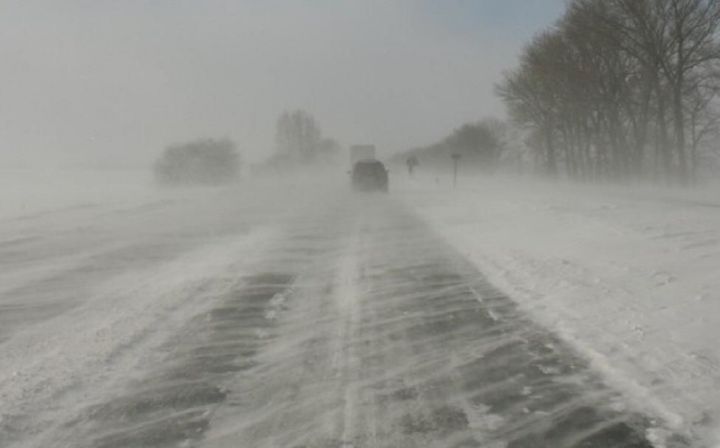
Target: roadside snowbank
[{"x": 631, "y": 277}]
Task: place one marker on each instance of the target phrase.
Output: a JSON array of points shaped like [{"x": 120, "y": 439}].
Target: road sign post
[{"x": 456, "y": 158}]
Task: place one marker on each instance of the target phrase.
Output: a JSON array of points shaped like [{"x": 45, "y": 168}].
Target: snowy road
[{"x": 341, "y": 321}]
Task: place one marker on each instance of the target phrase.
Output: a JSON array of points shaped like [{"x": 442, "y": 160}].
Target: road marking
[{"x": 347, "y": 298}]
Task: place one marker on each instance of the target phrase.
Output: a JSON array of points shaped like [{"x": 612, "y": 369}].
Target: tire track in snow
[{"x": 347, "y": 296}]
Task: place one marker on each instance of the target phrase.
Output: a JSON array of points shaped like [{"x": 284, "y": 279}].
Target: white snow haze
[
  {"x": 107, "y": 83},
  {"x": 359, "y": 223}
]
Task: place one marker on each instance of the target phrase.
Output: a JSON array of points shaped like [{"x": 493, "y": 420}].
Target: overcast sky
[{"x": 111, "y": 82}]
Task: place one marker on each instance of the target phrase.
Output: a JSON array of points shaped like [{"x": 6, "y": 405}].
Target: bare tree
[
  {"x": 298, "y": 136},
  {"x": 480, "y": 144},
  {"x": 609, "y": 76}
]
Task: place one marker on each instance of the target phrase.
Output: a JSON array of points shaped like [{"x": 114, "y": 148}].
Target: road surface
[{"x": 339, "y": 322}]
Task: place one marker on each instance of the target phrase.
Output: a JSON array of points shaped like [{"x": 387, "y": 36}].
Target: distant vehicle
[
  {"x": 361, "y": 152},
  {"x": 370, "y": 175}
]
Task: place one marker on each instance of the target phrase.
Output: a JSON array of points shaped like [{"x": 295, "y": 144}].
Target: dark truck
[{"x": 369, "y": 175}]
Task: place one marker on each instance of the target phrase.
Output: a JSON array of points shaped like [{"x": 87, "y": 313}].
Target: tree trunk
[
  {"x": 551, "y": 159},
  {"x": 663, "y": 139},
  {"x": 679, "y": 118}
]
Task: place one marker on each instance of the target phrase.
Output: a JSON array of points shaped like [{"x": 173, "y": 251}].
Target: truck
[
  {"x": 361, "y": 152},
  {"x": 368, "y": 173}
]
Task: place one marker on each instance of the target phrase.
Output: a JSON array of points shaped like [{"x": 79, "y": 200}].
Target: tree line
[
  {"x": 479, "y": 145},
  {"x": 299, "y": 142},
  {"x": 204, "y": 161},
  {"x": 621, "y": 89}
]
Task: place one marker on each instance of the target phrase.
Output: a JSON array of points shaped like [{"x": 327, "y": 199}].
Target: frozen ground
[
  {"x": 98, "y": 269},
  {"x": 294, "y": 313},
  {"x": 630, "y": 276}
]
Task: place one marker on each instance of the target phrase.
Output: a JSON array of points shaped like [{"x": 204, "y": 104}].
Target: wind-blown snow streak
[
  {"x": 50, "y": 370},
  {"x": 300, "y": 317},
  {"x": 628, "y": 276},
  {"x": 392, "y": 340},
  {"x": 90, "y": 295}
]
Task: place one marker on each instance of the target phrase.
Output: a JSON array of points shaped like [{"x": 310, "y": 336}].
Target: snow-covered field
[
  {"x": 25, "y": 193},
  {"x": 630, "y": 276}
]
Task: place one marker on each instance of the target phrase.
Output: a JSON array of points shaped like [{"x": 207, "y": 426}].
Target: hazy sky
[{"x": 111, "y": 82}]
